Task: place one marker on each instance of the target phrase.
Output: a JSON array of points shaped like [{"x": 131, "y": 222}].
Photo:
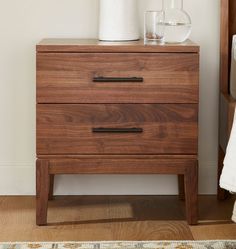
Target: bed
[
  {"x": 227, "y": 86},
  {"x": 233, "y": 69}
]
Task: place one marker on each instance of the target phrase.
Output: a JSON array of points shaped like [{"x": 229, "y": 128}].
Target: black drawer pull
[
  {"x": 117, "y": 130},
  {"x": 117, "y": 79}
]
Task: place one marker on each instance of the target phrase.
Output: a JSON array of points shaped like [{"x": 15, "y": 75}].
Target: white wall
[{"x": 22, "y": 24}]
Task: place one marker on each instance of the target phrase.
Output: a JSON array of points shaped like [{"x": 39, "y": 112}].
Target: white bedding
[{"x": 233, "y": 69}]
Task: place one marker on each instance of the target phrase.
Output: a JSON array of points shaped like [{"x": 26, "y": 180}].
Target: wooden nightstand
[{"x": 117, "y": 108}]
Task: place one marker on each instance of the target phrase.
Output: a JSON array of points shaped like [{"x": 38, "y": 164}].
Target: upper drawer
[{"x": 162, "y": 77}]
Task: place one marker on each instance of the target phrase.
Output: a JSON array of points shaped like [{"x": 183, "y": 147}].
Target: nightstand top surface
[{"x": 96, "y": 46}]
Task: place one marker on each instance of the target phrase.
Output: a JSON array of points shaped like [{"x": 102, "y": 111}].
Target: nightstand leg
[
  {"x": 42, "y": 191},
  {"x": 181, "y": 187},
  {"x": 191, "y": 193},
  {"x": 50, "y": 195}
]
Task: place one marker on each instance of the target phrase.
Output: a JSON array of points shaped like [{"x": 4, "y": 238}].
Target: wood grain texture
[
  {"x": 224, "y": 47},
  {"x": 222, "y": 194},
  {"x": 151, "y": 157},
  {"x": 151, "y": 125},
  {"x": 185, "y": 167},
  {"x": 95, "y": 46},
  {"x": 227, "y": 103},
  {"x": 121, "y": 166},
  {"x": 214, "y": 230},
  {"x": 67, "y": 129},
  {"x": 92, "y": 218},
  {"x": 228, "y": 29},
  {"x": 191, "y": 193},
  {"x": 231, "y": 104},
  {"x": 181, "y": 187},
  {"x": 68, "y": 78},
  {"x": 42, "y": 191},
  {"x": 89, "y": 218},
  {"x": 51, "y": 187},
  {"x": 227, "y": 110},
  {"x": 232, "y": 23}
]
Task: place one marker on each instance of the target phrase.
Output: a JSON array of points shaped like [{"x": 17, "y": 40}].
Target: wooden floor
[{"x": 115, "y": 218}]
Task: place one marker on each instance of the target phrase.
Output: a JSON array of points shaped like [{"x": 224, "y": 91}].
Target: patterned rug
[{"x": 123, "y": 245}]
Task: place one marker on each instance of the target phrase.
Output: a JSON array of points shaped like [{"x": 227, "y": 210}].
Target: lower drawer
[{"x": 116, "y": 129}]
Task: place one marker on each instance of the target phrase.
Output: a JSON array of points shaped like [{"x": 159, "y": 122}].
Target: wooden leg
[
  {"x": 181, "y": 187},
  {"x": 51, "y": 187},
  {"x": 42, "y": 191},
  {"x": 191, "y": 193},
  {"x": 221, "y": 193}
]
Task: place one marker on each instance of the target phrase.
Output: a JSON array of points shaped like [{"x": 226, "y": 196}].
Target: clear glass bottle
[{"x": 177, "y": 22}]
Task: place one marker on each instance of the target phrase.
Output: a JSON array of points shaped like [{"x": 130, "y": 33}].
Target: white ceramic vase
[{"x": 118, "y": 20}]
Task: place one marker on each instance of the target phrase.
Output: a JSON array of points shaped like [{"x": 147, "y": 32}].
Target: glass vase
[{"x": 177, "y": 22}]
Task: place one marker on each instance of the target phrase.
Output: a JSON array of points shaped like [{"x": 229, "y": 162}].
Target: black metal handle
[
  {"x": 117, "y": 79},
  {"x": 117, "y": 130}
]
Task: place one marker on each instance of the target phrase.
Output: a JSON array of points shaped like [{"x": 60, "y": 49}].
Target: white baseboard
[{"x": 18, "y": 178}]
